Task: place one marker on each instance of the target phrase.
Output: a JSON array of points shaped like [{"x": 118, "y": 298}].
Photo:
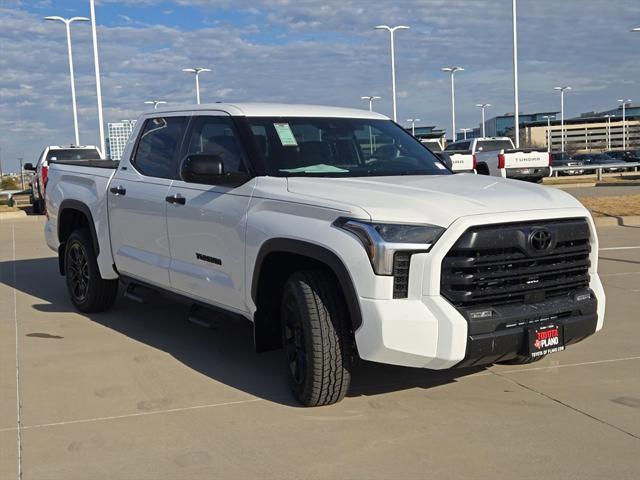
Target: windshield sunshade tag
[{"x": 286, "y": 135}]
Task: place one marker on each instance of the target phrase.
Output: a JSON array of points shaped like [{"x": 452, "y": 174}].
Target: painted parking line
[{"x": 619, "y": 248}]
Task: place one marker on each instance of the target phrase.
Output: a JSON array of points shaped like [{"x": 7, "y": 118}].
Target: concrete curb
[
  {"x": 12, "y": 215},
  {"x": 629, "y": 221}
]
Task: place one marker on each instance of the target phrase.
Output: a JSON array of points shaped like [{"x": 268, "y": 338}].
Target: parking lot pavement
[
  {"x": 137, "y": 392},
  {"x": 604, "y": 191}
]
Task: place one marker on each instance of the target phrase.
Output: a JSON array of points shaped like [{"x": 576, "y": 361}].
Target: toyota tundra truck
[
  {"x": 497, "y": 156},
  {"x": 335, "y": 248}
]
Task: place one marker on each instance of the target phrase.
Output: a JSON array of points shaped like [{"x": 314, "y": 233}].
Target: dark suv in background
[{"x": 563, "y": 159}]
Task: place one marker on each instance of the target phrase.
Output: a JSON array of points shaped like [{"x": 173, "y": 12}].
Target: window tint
[
  {"x": 73, "y": 154},
  {"x": 157, "y": 147},
  {"x": 493, "y": 145},
  {"x": 342, "y": 147},
  {"x": 459, "y": 146},
  {"x": 217, "y": 136}
]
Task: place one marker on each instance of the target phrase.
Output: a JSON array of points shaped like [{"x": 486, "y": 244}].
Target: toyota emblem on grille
[{"x": 540, "y": 240}]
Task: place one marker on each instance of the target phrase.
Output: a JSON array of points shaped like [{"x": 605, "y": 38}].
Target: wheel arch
[
  {"x": 269, "y": 277},
  {"x": 72, "y": 215}
]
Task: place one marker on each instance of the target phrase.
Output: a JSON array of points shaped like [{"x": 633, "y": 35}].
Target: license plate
[{"x": 545, "y": 339}]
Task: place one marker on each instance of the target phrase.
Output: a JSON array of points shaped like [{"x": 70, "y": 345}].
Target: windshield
[
  {"x": 340, "y": 147},
  {"x": 493, "y": 145},
  {"x": 73, "y": 154}
]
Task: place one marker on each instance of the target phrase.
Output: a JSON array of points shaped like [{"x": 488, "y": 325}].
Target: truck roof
[{"x": 276, "y": 110}]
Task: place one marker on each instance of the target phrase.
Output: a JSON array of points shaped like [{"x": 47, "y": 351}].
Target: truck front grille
[{"x": 504, "y": 264}]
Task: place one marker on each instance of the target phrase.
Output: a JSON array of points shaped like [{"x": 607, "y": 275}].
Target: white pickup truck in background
[
  {"x": 53, "y": 153},
  {"x": 456, "y": 163},
  {"x": 497, "y": 156},
  {"x": 335, "y": 247}
]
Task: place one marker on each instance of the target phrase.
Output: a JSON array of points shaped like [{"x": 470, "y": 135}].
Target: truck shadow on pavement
[{"x": 223, "y": 353}]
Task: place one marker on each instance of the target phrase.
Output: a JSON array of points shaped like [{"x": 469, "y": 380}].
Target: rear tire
[
  {"x": 89, "y": 292},
  {"x": 316, "y": 337}
]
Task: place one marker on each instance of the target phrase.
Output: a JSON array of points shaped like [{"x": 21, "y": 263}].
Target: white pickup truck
[
  {"x": 53, "y": 153},
  {"x": 288, "y": 216},
  {"x": 497, "y": 156}
]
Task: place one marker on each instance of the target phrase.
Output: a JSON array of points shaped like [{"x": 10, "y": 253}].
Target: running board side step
[{"x": 133, "y": 292}]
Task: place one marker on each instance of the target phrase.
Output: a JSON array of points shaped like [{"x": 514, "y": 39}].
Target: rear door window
[{"x": 158, "y": 146}]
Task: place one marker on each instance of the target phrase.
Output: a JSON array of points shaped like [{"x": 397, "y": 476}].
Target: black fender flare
[
  {"x": 314, "y": 252},
  {"x": 71, "y": 204}
]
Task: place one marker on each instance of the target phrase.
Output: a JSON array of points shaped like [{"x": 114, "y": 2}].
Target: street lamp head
[
  {"x": 196, "y": 70},
  {"x": 637, "y": 29},
  {"x": 56, "y": 18},
  {"x": 370, "y": 97},
  {"x": 622, "y": 100},
  {"x": 483, "y": 105},
  {"x": 452, "y": 69},
  {"x": 562, "y": 89},
  {"x": 391, "y": 29}
]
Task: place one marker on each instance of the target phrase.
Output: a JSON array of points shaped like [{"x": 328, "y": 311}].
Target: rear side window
[{"x": 159, "y": 142}]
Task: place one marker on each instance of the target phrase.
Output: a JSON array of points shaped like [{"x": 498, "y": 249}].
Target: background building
[
  {"x": 584, "y": 134},
  {"x": 119, "y": 133},
  {"x": 502, "y": 125}
]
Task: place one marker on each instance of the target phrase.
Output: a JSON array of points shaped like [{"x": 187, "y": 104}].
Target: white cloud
[{"x": 318, "y": 52}]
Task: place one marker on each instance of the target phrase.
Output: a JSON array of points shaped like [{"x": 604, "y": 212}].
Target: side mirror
[
  {"x": 29, "y": 167},
  {"x": 445, "y": 159},
  {"x": 208, "y": 169}
]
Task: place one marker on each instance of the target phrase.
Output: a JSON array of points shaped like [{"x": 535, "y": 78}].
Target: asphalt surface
[
  {"x": 138, "y": 393},
  {"x": 616, "y": 191}
]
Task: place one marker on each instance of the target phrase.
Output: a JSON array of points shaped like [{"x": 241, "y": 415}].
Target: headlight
[{"x": 382, "y": 240}]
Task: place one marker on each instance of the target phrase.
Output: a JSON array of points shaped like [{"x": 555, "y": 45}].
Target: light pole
[
  {"x": 392, "y": 31},
  {"x": 608, "y": 117},
  {"x": 96, "y": 63},
  {"x": 624, "y": 121},
  {"x": 155, "y": 103},
  {"x": 20, "y": 159},
  {"x": 197, "y": 71},
  {"x": 413, "y": 121},
  {"x": 562, "y": 90},
  {"x": 465, "y": 130},
  {"x": 483, "y": 106},
  {"x": 516, "y": 103},
  {"x": 370, "y": 99},
  {"x": 68, "y": 22},
  {"x": 451, "y": 71},
  {"x": 548, "y": 118}
]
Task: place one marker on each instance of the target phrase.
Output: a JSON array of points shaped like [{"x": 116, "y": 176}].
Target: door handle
[
  {"x": 119, "y": 190},
  {"x": 176, "y": 199}
]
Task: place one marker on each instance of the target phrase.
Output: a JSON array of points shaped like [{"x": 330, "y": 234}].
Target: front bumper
[{"x": 426, "y": 331}]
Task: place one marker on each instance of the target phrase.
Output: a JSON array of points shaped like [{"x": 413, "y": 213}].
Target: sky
[{"x": 306, "y": 51}]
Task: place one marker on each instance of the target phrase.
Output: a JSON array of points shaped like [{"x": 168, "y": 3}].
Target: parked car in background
[
  {"x": 563, "y": 159},
  {"x": 41, "y": 168},
  {"x": 593, "y": 159},
  {"x": 278, "y": 214},
  {"x": 625, "y": 155},
  {"x": 497, "y": 156},
  {"x": 456, "y": 163}
]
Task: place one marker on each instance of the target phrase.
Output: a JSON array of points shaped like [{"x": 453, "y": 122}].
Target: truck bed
[{"x": 112, "y": 164}]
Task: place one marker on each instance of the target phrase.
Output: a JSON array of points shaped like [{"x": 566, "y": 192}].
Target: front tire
[
  {"x": 89, "y": 292},
  {"x": 316, "y": 337},
  {"x": 522, "y": 360}
]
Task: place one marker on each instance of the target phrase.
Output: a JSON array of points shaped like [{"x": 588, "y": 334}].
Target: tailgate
[
  {"x": 523, "y": 159},
  {"x": 461, "y": 161}
]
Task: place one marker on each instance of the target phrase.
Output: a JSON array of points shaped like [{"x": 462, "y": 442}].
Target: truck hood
[{"x": 438, "y": 200}]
